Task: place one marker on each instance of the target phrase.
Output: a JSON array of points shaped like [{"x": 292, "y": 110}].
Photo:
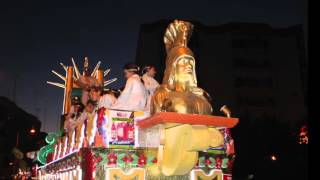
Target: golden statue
[{"x": 179, "y": 92}]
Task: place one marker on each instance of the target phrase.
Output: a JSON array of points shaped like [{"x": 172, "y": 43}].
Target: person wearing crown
[
  {"x": 134, "y": 96},
  {"x": 179, "y": 91}
]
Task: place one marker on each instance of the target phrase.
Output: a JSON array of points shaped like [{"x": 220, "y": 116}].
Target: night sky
[{"x": 36, "y": 35}]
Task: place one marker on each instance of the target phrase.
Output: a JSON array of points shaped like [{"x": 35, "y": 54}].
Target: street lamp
[
  {"x": 32, "y": 131},
  {"x": 273, "y": 158}
]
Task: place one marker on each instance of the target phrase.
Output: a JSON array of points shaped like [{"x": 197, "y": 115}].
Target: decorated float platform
[
  {"x": 178, "y": 139},
  {"x": 145, "y": 156}
]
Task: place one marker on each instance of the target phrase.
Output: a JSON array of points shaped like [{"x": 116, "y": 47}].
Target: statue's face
[
  {"x": 185, "y": 65},
  {"x": 184, "y": 69}
]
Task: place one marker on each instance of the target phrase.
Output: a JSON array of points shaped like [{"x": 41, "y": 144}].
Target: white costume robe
[
  {"x": 151, "y": 85},
  {"x": 106, "y": 101},
  {"x": 133, "y": 97}
]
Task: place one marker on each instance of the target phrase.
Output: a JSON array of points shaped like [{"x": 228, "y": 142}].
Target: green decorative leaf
[
  {"x": 202, "y": 161},
  {"x": 50, "y": 139},
  {"x": 149, "y": 160},
  {"x": 43, "y": 153},
  {"x": 104, "y": 158},
  {"x": 224, "y": 162},
  {"x": 120, "y": 162},
  {"x": 213, "y": 162},
  {"x": 135, "y": 160}
]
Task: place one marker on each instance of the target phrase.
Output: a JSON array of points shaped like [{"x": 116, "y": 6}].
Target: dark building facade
[
  {"x": 15, "y": 126},
  {"x": 260, "y": 72}
]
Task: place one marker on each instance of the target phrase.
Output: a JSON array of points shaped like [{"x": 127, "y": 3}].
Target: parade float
[{"x": 179, "y": 138}]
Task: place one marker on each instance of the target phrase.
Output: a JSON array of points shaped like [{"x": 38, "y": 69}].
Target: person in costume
[
  {"x": 134, "y": 96},
  {"x": 148, "y": 74},
  {"x": 108, "y": 94},
  {"x": 75, "y": 112},
  {"x": 106, "y": 100},
  {"x": 87, "y": 113},
  {"x": 75, "y": 102}
]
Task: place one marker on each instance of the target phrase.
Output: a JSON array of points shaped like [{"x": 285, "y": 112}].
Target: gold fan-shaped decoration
[{"x": 84, "y": 80}]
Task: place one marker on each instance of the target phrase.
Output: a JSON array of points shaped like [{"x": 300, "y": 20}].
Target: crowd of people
[{"x": 136, "y": 96}]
